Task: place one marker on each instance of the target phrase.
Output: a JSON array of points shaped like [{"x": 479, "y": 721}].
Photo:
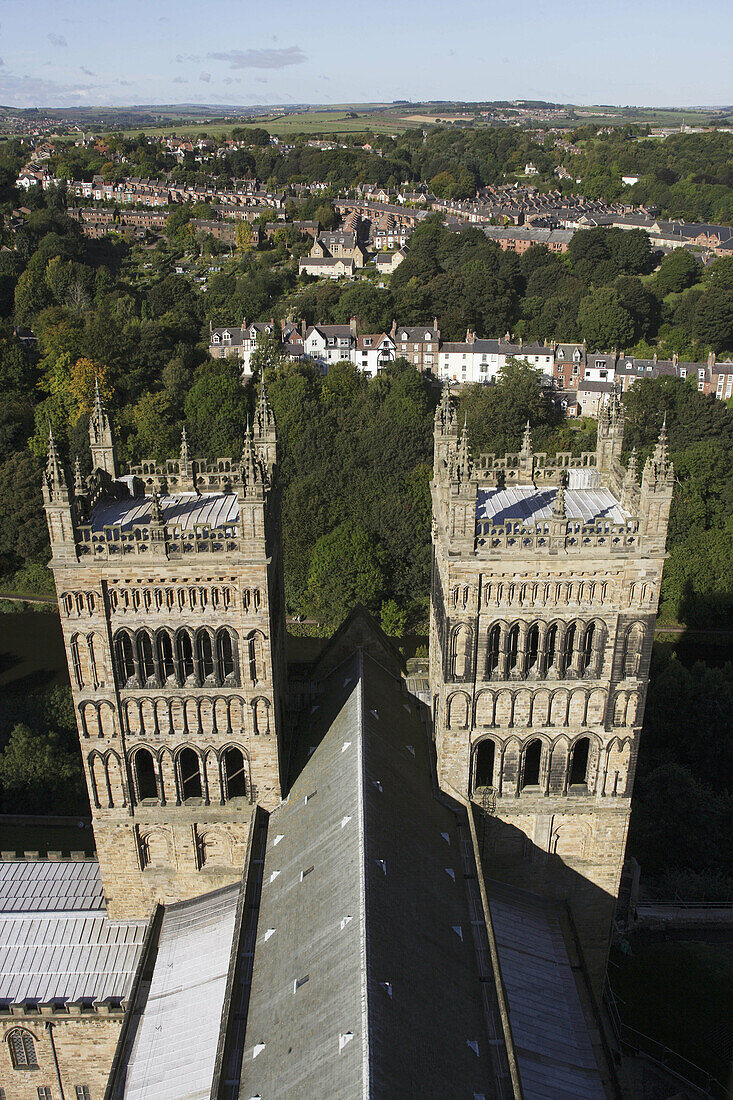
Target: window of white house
[{"x": 683, "y": 372}]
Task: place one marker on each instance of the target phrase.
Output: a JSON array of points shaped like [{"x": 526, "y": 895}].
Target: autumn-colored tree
[
  {"x": 84, "y": 375},
  {"x": 243, "y": 236}
]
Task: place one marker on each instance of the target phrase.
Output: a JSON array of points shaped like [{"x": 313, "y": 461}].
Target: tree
[
  {"x": 23, "y": 532},
  {"x": 346, "y": 569},
  {"x": 713, "y": 323},
  {"x": 268, "y": 354},
  {"x": 678, "y": 270},
  {"x": 243, "y": 236},
  {"x": 604, "y": 322},
  {"x": 393, "y": 618},
  {"x": 215, "y": 409},
  {"x": 38, "y": 771}
]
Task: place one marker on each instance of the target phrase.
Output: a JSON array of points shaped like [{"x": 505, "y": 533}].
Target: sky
[{"x": 98, "y": 52}]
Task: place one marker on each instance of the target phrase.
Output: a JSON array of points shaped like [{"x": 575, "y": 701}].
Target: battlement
[
  {"x": 572, "y": 535},
  {"x": 544, "y": 469}
]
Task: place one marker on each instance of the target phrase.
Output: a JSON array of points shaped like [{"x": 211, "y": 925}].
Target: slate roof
[
  {"x": 524, "y": 502},
  {"x": 365, "y": 980}
]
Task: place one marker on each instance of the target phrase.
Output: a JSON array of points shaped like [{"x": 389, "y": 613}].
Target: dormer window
[
  {"x": 253, "y": 333},
  {"x": 215, "y": 338},
  {"x": 367, "y": 341},
  {"x": 576, "y": 355},
  {"x": 404, "y": 336},
  {"x": 226, "y": 336},
  {"x": 560, "y": 353},
  {"x": 428, "y": 336}
]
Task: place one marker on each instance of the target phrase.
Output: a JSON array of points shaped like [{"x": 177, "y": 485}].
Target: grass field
[{"x": 395, "y": 118}]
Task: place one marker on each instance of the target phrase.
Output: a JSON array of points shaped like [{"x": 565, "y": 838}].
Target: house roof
[{"x": 551, "y": 1039}]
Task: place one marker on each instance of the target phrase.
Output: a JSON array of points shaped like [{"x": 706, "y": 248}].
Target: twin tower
[{"x": 545, "y": 584}]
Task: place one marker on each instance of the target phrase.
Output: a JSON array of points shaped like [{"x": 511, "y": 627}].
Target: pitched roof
[{"x": 365, "y": 977}]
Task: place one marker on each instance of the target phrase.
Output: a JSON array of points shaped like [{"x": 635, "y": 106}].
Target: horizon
[{"x": 102, "y": 56}]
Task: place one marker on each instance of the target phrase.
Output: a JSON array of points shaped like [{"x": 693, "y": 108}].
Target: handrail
[{"x": 636, "y": 1042}]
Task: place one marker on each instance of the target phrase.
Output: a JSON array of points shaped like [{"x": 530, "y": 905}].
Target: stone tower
[
  {"x": 169, "y": 583},
  {"x": 545, "y": 584}
]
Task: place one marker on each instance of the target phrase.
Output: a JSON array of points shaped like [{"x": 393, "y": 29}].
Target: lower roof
[{"x": 172, "y": 1046}]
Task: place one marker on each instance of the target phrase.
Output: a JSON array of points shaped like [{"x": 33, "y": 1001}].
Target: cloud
[
  {"x": 260, "y": 59},
  {"x": 182, "y": 57},
  {"x": 1, "y": 62},
  {"x": 233, "y": 80},
  {"x": 87, "y": 72},
  {"x": 206, "y": 77},
  {"x": 125, "y": 83},
  {"x": 33, "y": 91},
  {"x": 262, "y": 80},
  {"x": 179, "y": 80},
  {"x": 57, "y": 40}
]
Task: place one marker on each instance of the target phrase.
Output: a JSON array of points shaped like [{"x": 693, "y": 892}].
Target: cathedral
[{"x": 364, "y": 880}]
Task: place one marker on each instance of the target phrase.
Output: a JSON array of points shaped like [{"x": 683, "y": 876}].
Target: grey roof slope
[
  {"x": 50, "y": 886},
  {"x": 365, "y": 981},
  {"x": 173, "y": 1047},
  {"x": 56, "y": 943},
  {"x": 182, "y": 509},
  {"x": 549, "y": 1028}
]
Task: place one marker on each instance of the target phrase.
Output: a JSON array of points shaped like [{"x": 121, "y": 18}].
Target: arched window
[
  {"x": 76, "y": 661},
  {"x": 588, "y": 637},
  {"x": 485, "y": 754},
  {"x": 145, "y": 653},
  {"x": 513, "y": 648},
  {"x": 225, "y": 655},
  {"x": 551, "y": 647},
  {"x": 462, "y": 653},
  {"x": 190, "y": 773},
  {"x": 531, "y": 769},
  {"x": 579, "y": 762},
  {"x": 165, "y": 656},
  {"x": 22, "y": 1049},
  {"x": 492, "y": 656},
  {"x": 632, "y": 650},
  {"x": 184, "y": 650},
  {"x": 145, "y": 782},
  {"x": 206, "y": 656},
  {"x": 235, "y": 774},
  {"x": 254, "y": 656},
  {"x": 532, "y": 652},
  {"x": 125, "y": 659},
  {"x": 567, "y": 649}
]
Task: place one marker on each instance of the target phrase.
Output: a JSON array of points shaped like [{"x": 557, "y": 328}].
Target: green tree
[
  {"x": 713, "y": 324},
  {"x": 215, "y": 409},
  {"x": 346, "y": 569},
  {"x": 604, "y": 322},
  {"x": 678, "y": 270},
  {"x": 38, "y": 771}
]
